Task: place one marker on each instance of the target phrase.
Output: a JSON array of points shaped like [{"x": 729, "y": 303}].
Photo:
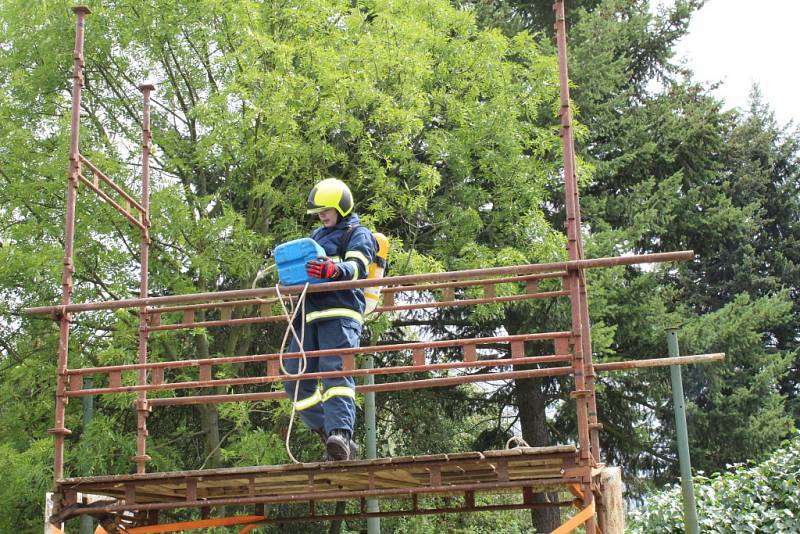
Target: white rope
[
  {"x": 291, "y": 315},
  {"x": 518, "y": 440}
]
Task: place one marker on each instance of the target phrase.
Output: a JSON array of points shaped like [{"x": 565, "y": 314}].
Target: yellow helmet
[{"x": 330, "y": 193}]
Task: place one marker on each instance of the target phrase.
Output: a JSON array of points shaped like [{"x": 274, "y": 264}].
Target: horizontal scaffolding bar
[
  {"x": 473, "y": 302},
  {"x": 372, "y": 349},
  {"x": 392, "y": 289},
  {"x": 402, "y": 385},
  {"x": 217, "y": 322},
  {"x": 341, "y": 495},
  {"x": 390, "y": 281},
  {"x": 660, "y": 362},
  {"x": 503, "y": 362},
  {"x": 478, "y": 282},
  {"x": 380, "y": 309},
  {"x": 389, "y": 386}
]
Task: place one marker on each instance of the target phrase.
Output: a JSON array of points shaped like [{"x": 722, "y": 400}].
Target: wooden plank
[
  {"x": 397, "y": 477},
  {"x": 471, "y": 455},
  {"x": 435, "y": 476},
  {"x": 225, "y": 313},
  {"x": 188, "y": 316},
  {"x": 191, "y": 489},
  {"x": 130, "y": 492},
  {"x": 502, "y": 471},
  {"x": 520, "y": 457},
  {"x": 503, "y": 453},
  {"x": 418, "y": 356},
  {"x": 517, "y": 349}
]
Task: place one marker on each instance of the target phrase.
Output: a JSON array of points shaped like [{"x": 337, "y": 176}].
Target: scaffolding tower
[{"x": 132, "y": 502}]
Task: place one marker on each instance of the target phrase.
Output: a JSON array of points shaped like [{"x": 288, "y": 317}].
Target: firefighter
[{"x": 333, "y": 319}]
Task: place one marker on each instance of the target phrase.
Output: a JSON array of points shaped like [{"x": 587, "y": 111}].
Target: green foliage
[
  {"x": 27, "y": 476},
  {"x": 670, "y": 172},
  {"x": 445, "y": 127},
  {"x": 761, "y": 497},
  {"x": 442, "y": 129}
]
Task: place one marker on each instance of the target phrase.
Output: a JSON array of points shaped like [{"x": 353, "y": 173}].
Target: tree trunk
[
  {"x": 531, "y": 403},
  {"x": 336, "y": 524},
  {"x": 209, "y": 417}
]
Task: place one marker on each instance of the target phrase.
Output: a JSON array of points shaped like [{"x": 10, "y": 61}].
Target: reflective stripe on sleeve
[
  {"x": 330, "y": 313},
  {"x": 308, "y": 402},
  {"x": 359, "y": 256},
  {"x": 339, "y": 391},
  {"x": 355, "y": 270}
]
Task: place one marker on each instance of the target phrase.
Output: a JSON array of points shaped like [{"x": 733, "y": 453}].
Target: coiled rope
[{"x": 291, "y": 314}]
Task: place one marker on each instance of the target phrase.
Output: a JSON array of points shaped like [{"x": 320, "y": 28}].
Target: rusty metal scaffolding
[{"x": 136, "y": 499}]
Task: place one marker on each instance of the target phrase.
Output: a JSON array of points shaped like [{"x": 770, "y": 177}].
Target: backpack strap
[{"x": 345, "y": 241}]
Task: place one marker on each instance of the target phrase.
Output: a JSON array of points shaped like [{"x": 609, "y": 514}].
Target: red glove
[{"x": 323, "y": 268}]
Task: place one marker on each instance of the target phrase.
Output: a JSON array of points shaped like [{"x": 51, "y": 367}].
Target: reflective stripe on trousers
[{"x": 333, "y": 405}]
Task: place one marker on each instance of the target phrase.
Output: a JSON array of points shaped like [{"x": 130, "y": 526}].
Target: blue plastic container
[{"x": 291, "y": 258}]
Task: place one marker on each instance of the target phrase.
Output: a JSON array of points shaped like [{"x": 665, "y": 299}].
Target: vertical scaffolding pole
[
  {"x": 142, "y": 409},
  {"x": 58, "y": 430},
  {"x": 691, "y": 524},
  {"x": 373, "y": 523},
  {"x": 581, "y": 345},
  {"x": 88, "y": 413}
]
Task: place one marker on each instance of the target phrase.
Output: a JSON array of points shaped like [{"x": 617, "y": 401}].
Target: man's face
[{"x": 328, "y": 217}]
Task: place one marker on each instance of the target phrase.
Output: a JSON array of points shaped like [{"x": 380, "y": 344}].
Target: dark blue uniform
[{"x": 333, "y": 321}]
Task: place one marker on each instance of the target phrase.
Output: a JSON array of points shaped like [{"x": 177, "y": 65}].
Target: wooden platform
[{"x": 528, "y": 469}]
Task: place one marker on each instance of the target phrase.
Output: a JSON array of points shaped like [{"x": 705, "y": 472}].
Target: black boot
[{"x": 338, "y": 445}]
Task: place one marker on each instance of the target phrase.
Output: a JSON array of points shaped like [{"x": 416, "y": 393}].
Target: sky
[{"x": 740, "y": 42}]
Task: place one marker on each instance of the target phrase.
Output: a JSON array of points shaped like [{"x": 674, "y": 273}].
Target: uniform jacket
[{"x": 360, "y": 252}]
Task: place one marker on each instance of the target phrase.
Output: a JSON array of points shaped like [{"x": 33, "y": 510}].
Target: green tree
[
  {"x": 435, "y": 124},
  {"x": 665, "y": 168},
  {"x": 673, "y": 171}
]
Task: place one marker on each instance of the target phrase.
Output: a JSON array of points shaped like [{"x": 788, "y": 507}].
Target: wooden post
[
  {"x": 613, "y": 504},
  {"x": 49, "y": 528}
]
